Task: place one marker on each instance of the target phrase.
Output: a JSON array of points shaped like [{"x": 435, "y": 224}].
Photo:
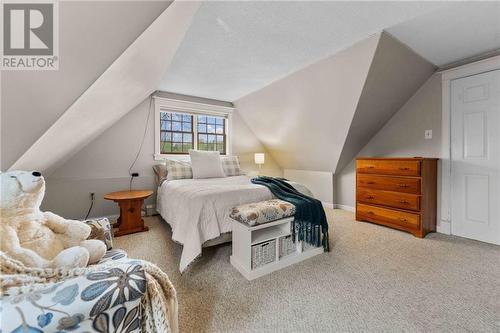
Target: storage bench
[{"x": 262, "y": 238}]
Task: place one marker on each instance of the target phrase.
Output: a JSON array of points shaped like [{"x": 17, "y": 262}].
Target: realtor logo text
[{"x": 30, "y": 36}]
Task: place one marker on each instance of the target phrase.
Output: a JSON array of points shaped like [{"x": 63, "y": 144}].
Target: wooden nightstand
[{"x": 130, "y": 202}]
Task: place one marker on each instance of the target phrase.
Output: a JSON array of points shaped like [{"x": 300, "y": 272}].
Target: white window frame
[{"x": 163, "y": 104}]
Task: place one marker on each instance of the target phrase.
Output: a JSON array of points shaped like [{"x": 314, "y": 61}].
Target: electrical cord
[
  {"x": 142, "y": 142},
  {"x": 92, "y": 198},
  {"x": 143, "y": 136}
]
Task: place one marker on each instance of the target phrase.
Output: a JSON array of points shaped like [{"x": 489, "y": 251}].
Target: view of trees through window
[{"x": 178, "y": 132}]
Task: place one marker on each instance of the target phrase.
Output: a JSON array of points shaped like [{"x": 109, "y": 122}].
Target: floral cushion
[
  {"x": 262, "y": 212},
  {"x": 101, "y": 230},
  {"x": 105, "y": 300}
]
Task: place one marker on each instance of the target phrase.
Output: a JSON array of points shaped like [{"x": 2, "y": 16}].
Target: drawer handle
[
  {"x": 404, "y": 202},
  {"x": 370, "y": 197},
  {"x": 371, "y": 167},
  {"x": 404, "y": 185},
  {"x": 403, "y": 219},
  {"x": 370, "y": 183},
  {"x": 404, "y": 169},
  {"x": 371, "y": 213}
]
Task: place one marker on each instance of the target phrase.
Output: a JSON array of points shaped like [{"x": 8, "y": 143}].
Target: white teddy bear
[{"x": 36, "y": 238}]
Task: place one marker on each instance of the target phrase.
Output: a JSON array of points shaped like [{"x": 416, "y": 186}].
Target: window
[
  {"x": 176, "y": 133},
  {"x": 181, "y": 126},
  {"x": 211, "y": 133}
]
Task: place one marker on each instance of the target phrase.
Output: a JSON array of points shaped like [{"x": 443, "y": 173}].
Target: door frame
[{"x": 444, "y": 186}]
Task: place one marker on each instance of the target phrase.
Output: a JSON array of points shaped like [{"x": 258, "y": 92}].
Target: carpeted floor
[{"x": 375, "y": 279}]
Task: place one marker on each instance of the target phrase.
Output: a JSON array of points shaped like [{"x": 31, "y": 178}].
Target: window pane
[
  {"x": 166, "y": 148},
  {"x": 202, "y": 128},
  {"x": 166, "y": 136},
  {"x": 211, "y": 128},
  {"x": 186, "y": 117},
  {"x": 186, "y": 127},
  {"x": 186, "y": 147},
  {"x": 220, "y": 139},
  {"x": 219, "y": 121},
  {"x": 176, "y": 116},
  {"x": 187, "y": 138},
  {"x": 176, "y": 126},
  {"x": 177, "y": 137},
  {"x": 165, "y": 125},
  {"x": 177, "y": 147},
  {"x": 221, "y": 149},
  {"x": 164, "y": 116},
  {"x": 202, "y": 119},
  {"x": 211, "y": 120},
  {"x": 211, "y": 139},
  {"x": 219, "y": 130}
]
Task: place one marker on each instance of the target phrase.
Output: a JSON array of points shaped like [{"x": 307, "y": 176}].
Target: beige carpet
[{"x": 375, "y": 279}]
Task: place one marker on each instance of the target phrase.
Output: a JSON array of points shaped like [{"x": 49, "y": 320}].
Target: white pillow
[{"x": 206, "y": 164}]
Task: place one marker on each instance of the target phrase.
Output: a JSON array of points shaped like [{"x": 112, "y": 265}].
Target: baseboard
[
  {"x": 345, "y": 207},
  {"x": 444, "y": 227},
  {"x": 327, "y": 205}
]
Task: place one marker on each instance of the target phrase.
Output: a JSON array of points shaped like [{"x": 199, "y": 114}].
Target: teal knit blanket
[{"x": 310, "y": 222}]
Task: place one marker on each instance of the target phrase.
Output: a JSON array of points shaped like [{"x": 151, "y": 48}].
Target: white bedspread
[{"x": 198, "y": 209}]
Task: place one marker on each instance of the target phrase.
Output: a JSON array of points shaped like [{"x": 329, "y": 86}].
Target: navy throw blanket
[{"x": 310, "y": 219}]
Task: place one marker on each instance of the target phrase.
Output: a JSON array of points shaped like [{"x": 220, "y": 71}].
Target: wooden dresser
[{"x": 397, "y": 192}]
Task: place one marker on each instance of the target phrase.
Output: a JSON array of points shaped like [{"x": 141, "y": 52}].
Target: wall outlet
[{"x": 428, "y": 134}]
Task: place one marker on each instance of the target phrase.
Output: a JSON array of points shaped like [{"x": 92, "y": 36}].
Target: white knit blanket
[{"x": 159, "y": 305}]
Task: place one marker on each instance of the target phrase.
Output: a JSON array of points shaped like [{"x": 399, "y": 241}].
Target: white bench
[{"x": 262, "y": 238}]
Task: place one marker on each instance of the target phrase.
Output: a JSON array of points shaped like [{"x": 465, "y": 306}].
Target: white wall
[
  {"x": 320, "y": 183},
  {"x": 31, "y": 101},
  {"x": 295, "y": 117},
  {"x": 403, "y": 135},
  {"x": 102, "y": 166}
]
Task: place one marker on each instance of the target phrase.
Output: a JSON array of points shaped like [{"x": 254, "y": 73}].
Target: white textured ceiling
[
  {"x": 450, "y": 34},
  {"x": 235, "y": 48}
]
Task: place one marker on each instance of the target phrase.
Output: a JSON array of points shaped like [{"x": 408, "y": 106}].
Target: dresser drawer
[
  {"x": 383, "y": 215},
  {"x": 391, "y": 199},
  {"x": 397, "y": 184},
  {"x": 389, "y": 167}
]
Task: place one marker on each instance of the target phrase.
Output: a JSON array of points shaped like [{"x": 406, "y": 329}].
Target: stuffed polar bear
[{"x": 36, "y": 238}]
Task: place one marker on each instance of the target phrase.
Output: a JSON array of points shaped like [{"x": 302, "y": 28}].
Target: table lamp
[{"x": 259, "y": 159}]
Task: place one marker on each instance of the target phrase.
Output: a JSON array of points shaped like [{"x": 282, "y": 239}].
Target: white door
[{"x": 475, "y": 157}]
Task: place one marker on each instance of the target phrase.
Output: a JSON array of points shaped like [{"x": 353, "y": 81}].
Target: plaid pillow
[
  {"x": 160, "y": 171},
  {"x": 178, "y": 170},
  {"x": 231, "y": 166}
]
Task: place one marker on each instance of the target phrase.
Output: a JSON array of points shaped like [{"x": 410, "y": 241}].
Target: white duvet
[{"x": 198, "y": 209}]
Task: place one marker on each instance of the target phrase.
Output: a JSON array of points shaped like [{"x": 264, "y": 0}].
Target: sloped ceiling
[
  {"x": 124, "y": 84},
  {"x": 326, "y": 112},
  {"x": 303, "y": 119},
  {"x": 395, "y": 75},
  {"x": 450, "y": 34},
  {"x": 34, "y": 100},
  {"x": 236, "y": 47}
]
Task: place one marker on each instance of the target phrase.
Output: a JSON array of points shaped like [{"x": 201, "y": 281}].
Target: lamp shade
[{"x": 259, "y": 158}]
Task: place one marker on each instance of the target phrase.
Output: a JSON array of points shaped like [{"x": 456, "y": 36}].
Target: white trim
[
  {"x": 195, "y": 108},
  {"x": 478, "y": 67},
  {"x": 444, "y": 227},
  {"x": 328, "y": 205},
  {"x": 345, "y": 207},
  {"x": 473, "y": 68}
]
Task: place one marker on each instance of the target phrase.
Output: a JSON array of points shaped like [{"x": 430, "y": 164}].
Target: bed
[{"x": 198, "y": 209}]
